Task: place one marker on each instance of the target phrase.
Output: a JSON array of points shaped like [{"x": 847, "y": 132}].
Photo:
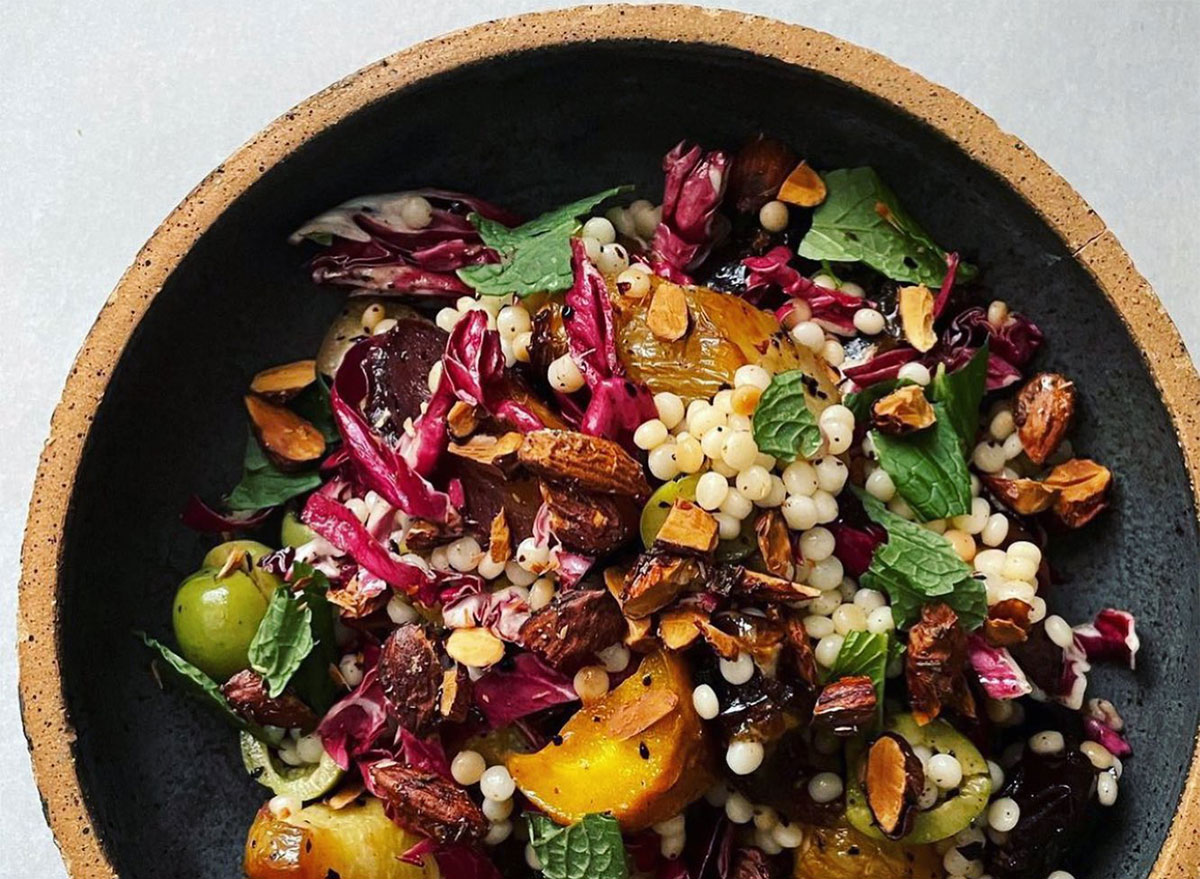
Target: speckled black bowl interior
[{"x": 163, "y": 778}]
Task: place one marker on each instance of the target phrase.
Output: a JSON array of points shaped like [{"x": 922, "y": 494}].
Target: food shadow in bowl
[{"x": 163, "y": 781}]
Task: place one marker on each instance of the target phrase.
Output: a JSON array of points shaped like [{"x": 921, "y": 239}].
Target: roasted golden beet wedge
[
  {"x": 356, "y": 842},
  {"x": 841, "y": 852},
  {"x": 641, "y": 778}
]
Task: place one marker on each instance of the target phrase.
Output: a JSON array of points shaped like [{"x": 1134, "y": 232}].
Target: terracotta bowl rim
[{"x": 48, "y": 728}]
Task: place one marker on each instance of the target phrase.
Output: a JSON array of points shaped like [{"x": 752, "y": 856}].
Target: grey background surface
[{"x": 111, "y": 112}]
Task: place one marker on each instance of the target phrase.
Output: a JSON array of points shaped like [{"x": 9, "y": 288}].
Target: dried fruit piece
[
  {"x": 639, "y": 635},
  {"x": 687, "y": 530},
  {"x": 462, "y": 420},
  {"x": 759, "y": 168},
  {"x": 411, "y": 675},
  {"x": 246, "y": 694},
  {"x": 594, "y": 524},
  {"x": 454, "y": 701},
  {"x": 569, "y": 631},
  {"x": 846, "y": 706},
  {"x": 1043, "y": 412},
  {"x": 1082, "y": 491},
  {"x": 655, "y": 580},
  {"x": 735, "y": 580},
  {"x": 642, "y": 713},
  {"x": 499, "y": 539},
  {"x": 1007, "y": 623},
  {"x": 477, "y": 648},
  {"x": 667, "y": 316},
  {"x": 589, "y": 462},
  {"x": 280, "y": 383},
  {"x": 775, "y": 544},
  {"x": 286, "y": 438},
  {"x": 494, "y": 451},
  {"x": 803, "y": 187},
  {"x": 678, "y": 626},
  {"x": 428, "y": 804},
  {"x": 905, "y": 410},
  {"x": 936, "y": 664},
  {"x": 1025, "y": 497},
  {"x": 915, "y": 305},
  {"x": 894, "y": 779}
]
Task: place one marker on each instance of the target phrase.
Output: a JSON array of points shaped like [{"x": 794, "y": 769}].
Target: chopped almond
[
  {"x": 499, "y": 539},
  {"x": 594, "y": 524},
  {"x": 347, "y": 794},
  {"x": 803, "y": 187},
  {"x": 655, "y": 581},
  {"x": 642, "y": 713},
  {"x": 1083, "y": 491},
  {"x": 677, "y": 627},
  {"x": 687, "y": 530},
  {"x": 1007, "y": 623},
  {"x": 280, "y": 383},
  {"x": 288, "y": 440},
  {"x": 1025, "y": 497},
  {"x": 667, "y": 316},
  {"x": 775, "y": 544},
  {"x": 477, "y": 648},
  {"x": 640, "y": 635},
  {"x": 495, "y": 451},
  {"x": 915, "y": 305},
  {"x": 740, "y": 581},
  {"x": 846, "y": 706},
  {"x": 905, "y": 410},
  {"x": 454, "y": 700},
  {"x": 894, "y": 780},
  {"x": 1043, "y": 412},
  {"x": 462, "y": 420},
  {"x": 723, "y": 644},
  {"x": 592, "y": 463}
]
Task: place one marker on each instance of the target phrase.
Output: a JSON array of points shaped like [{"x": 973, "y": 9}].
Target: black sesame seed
[
  {"x": 643, "y": 751},
  {"x": 647, "y": 680},
  {"x": 557, "y": 740}
]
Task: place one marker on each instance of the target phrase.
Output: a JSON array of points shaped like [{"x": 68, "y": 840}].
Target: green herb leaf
[
  {"x": 197, "y": 684},
  {"x": 313, "y": 404},
  {"x": 535, "y": 256},
  {"x": 589, "y": 849},
  {"x": 265, "y": 485},
  {"x": 861, "y": 402},
  {"x": 312, "y": 680},
  {"x": 783, "y": 424},
  {"x": 864, "y": 653},
  {"x": 916, "y": 566},
  {"x": 862, "y": 221},
  {"x": 961, "y": 392},
  {"x": 928, "y": 468},
  {"x": 284, "y": 638}
]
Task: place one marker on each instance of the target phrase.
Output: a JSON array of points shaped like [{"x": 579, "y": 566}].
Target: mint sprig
[
  {"x": 961, "y": 393},
  {"x": 928, "y": 468},
  {"x": 283, "y": 639},
  {"x": 588, "y": 849},
  {"x": 783, "y": 424}
]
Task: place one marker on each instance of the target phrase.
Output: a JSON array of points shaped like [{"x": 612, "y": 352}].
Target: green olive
[
  {"x": 303, "y": 782},
  {"x": 266, "y": 582},
  {"x": 656, "y": 510},
  {"x": 951, "y": 815},
  {"x": 293, "y": 532},
  {"x": 215, "y": 620}
]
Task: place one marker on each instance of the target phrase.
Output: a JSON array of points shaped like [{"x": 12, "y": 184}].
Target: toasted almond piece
[
  {"x": 587, "y": 522},
  {"x": 642, "y": 713},
  {"x": 677, "y": 626},
  {"x": 425, "y": 535},
  {"x": 567, "y": 633},
  {"x": 846, "y": 706},
  {"x": 614, "y": 580},
  {"x": 454, "y": 698},
  {"x": 495, "y": 451},
  {"x": 654, "y": 582},
  {"x": 1025, "y": 497},
  {"x": 775, "y": 544},
  {"x": 803, "y": 187},
  {"x": 280, "y": 383},
  {"x": 499, "y": 539},
  {"x": 591, "y": 462},
  {"x": 915, "y": 305},
  {"x": 723, "y": 644},
  {"x": 410, "y": 675},
  {"x": 667, "y": 316},
  {"x": 426, "y": 803},
  {"x": 1007, "y": 623},
  {"x": 640, "y": 636},
  {"x": 737, "y": 580},
  {"x": 1044, "y": 408},
  {"x": 346, "y": 794},
  {"x": 687, "y": 530},
  {"x": 756, "y": 173},
  {"x": 462, "y": 419},
  {"x": 894, "y": 779},
  {"x": 1083, "y": 490},
  {"x": 905, "y": 410},
  {"x": 358, "y": 600},
  {"x": 477, "y": 648},
  {"x": 288, "y": 440}
]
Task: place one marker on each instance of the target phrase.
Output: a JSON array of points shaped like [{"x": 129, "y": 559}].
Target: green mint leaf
[
  {"x": 197, "y": 684},
  {"x": 917, "y": 566},
  {"x": 535, "y": 256},
  {"x": 265, "y": 485},
  {"x": 864, "y": 653},
  {"x": 928, "y": 468},
  {"x": 284, "y": 638},
  {"x": 783, "y": 424},
  {"x": 961, "y": 393},
  {"x": 311, "y": 680},
  {"x": 861, "y": 402},
  {"x": 313, "y": 405},
  {"x": 861, "y": 220},
  {"x": 589, "y": 849}
]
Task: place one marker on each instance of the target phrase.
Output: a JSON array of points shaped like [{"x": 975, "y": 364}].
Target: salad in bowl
[{"x": 706, "y": 537}]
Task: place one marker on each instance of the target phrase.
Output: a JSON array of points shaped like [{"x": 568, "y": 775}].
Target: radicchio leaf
[
  {"x": 355, "y": 723},
  {"x": 199, "y": 516},
  {"x": 571, "y": 566},
  {"x": 1112, "y": 635},
  {"x": 617, "y": 407},
  {"x": 504, "y": 696},
  {"x": 855, "y": 547},
  {"x": 589, "y": 325},
  {"x": 996, "y": 670},
  {"x": 502, "y": 612},
  {"x": 695, "y": 184},
  {"x": 832, "y": 309},
  {"x": 424, "y": 754},
  {"x": 1097, "y": 730},
  {"x": 473, "y": 368}
]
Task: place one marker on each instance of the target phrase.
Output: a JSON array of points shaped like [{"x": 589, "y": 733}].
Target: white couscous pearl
[
  {"x": 650, "y": 434},
  {"x": 1003, "y": 814},
  {"x": 826, "y": 281},
  {"x": 826, "y": 603},
  {"x": 1059, "y": 631},
  {"x": 497, "y": 810},
  {"x": 818, "y": 626},
  {"x": 808, "y": 335},
  {"x": 350, "y": 670},
  {"x": 989, "y": 457},
  {"x": 880, "y": 485},
  {"x": 738, "y": 809},
  {"x": 464, "y": 554},
  {"x": 990, "y": 562},
  {"x": 743, "y": 757},
  {"x": 728, "y": 528},
  {"x": 833, "y": 353},
  {"x": 488, "y": 568},
  {"x": 827, "y": 649},
  {"x": 670, "y": 408},
  {"x": 736, "y": 505},
  {"x": 852, "y": 289},
  {"x": 712, "y": 490},
  {"x": 880, "y": 620},
  {"x": 689, "y": 457},
  {"x": 831, "y": 475},
  {"x": 563, "y": 375},
  {"x": 777, "y": 495},
  {"x": 737, "y": 671},
  {"x": 1026, "y": 550},
  {"x": 800, "y": 512},
  {"x": 751, "y": 375},
  {"x": 1106, "y": 788},
  {"x": 702, "y": 419},
  {"x": 825, "y": 787},
  {"x": 1099, "y": 755},
  {"x": 929, "y": 795},
  {"x": 1002, "y": 425},
  {"x": 826, "y": 574},
  {"x": 633, "y": 283},
  {"x": 945, "y": 770},
  {"x": 416, "y": 212},
  {"x": 918, "y": 373},
  {"x": 800, "y": 477},
  {"x": 601, "y": 229},
  {"x": 773, "y": 216},
  {"x": 496, "y": 784},
  {"x": 849, "y": 618},
  {"x": 974, "y": 522},
  {"x": 541, "y": 592},
  {"x": 399, "y": 611},
  {"x": 713, "y": 445},
  {"x": 1018, "y": 567},
  {"x": 512, "y": 321},
  {"x": 788, "y": 835},
  {"x": 995, "y": 774},
  {"x": 531, "y": 857},
  {"x": 613, "y": 259},
  {"x": 817, "y": 544},
  {"x": 661, "y": 462},
  {"x": 704, "y": 700},
  {"x": 614, "y": 658},
  {"x": 740, "y": 451},
  {"x": 869, "y": 599},
  {"x": 954, "y": 862},
  {"x": 827, "y": 507},
  {"x": 676, "y": 826},
  {"x": 645, "y": 217},
  {"x": 868, "y": 321},
  {"x": 309, "y": 748},
  {"x": 995, "y": 531},
  {"x": 1047, "y": 742},
  {"x": 1060, "y": 874},
  {"x": 518, "y": 575},
  {"x": 754, "y": 483},
  {"x": 498, "y": 832}
]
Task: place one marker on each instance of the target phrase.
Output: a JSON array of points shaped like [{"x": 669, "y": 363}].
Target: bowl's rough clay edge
[{"x": 47, "y": 726}]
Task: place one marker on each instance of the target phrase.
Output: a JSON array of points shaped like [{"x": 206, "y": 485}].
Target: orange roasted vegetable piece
[
  {"x": 641, "y": 779},
  {"x": 841, "y": 852}
]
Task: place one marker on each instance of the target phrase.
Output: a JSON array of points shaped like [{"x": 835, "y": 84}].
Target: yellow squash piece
[
  {"x": 357, "y": 842},
  {"x": 842, "y": 852},
  {"x": 642, "y": 778}
]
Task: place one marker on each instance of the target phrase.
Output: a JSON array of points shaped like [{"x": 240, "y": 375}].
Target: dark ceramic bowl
[{"x": 530, "y": 113}]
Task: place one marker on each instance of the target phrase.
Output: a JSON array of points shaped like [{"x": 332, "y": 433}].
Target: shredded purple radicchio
[
  {"x": 199, "y": 516},
  {"x": 355, "y": 723},
  {"x": 502, "y": 612},
  {"x": 505, "y": 694},
  {"x": 570, "y": 566},
  {"x": 695, "y": 185},
  {"x": 1112, "y": 635},
  {"x": 996, "y": 670},
  {"x": 473, "y": 371},
  {"x": 831, "y": 309},
  {"x": 855, "y": 547}
]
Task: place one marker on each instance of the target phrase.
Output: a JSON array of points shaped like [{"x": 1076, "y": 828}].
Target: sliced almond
[
  {"x": 454, "y": 697},
  {"x": 1007, "y": 623},
  {"x": 894, "y": 780},
  {"x": 592, "y": 463},
  {"x": 903, "y": 411},
  {"x": 462, "y": 419},
  {"x": 347, "y": 794},
  {"x": 642, "y": 713},
  {"x": 677, "y": 627},
  {"x": 477, "y": 648},
  {"x": 288, "y": 440},
  {"x": 1044, "y": 409},
  {"x": 803, "y": 187},
  {"x": 655, "y": 581},
  {"x": 723, "y": 644},
  {"x": 915, "y": 305},
  {"x": 500, "y": 539},
  {"x": 667, "y": 316},
  {"x": 1082, "y": 490},
  {"x": 640, "y": 637},
  {"x": 495, "y": 451},
  {"x": 280, "y": 383},
  {"x": 846, "y": 706},
  {"x": 740, "y": 581},
  {"x": 1026, "y": 497},
  {"x": 688, "y": 530}
]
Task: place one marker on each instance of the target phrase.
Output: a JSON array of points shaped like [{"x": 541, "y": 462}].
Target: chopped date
[
  {"x": 428, "y": 804},
  {"x": 1007, "y": 623},
  {"x": 594, "y": 524},
  {"x": 846, "y": 706},
  {"x": 569, "y": 631},
  {"x": 410, "y": 673},
  {"x": 1043, "y": 412},
  {"x": 246, "y": 694}
]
